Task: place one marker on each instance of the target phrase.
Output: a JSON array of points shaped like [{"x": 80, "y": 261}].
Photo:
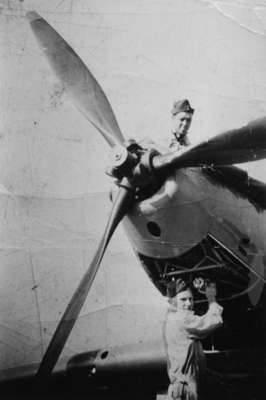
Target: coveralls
[{"x": 186, "y": 360}]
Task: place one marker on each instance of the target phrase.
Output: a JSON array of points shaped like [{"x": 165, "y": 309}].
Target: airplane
[{"x": 157, "y": 194}]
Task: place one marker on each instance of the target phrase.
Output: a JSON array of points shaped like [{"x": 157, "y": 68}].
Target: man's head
[
  {"x": 180, "y": 295},
  {"x": 182, "y": 114}
]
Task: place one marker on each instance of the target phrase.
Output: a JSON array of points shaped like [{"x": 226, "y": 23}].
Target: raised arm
[{"x": 201, "y": 326}]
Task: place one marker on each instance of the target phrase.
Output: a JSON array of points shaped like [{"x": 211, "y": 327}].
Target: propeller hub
[
  {"x": 119, "y": 156},
  {"x": 134, "y": 163},
  {"x": 122, "y": 162}
]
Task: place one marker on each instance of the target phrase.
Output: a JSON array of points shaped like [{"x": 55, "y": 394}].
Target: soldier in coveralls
[{"x": 182, "y": 333}]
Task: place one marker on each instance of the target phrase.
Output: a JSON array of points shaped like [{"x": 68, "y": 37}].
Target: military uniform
[{"x": 177, "y": 142}]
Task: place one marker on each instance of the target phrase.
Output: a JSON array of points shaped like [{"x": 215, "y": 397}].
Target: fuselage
[{"x": 189, "y": 207}]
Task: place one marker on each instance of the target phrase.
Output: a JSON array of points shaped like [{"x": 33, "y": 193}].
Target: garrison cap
[
  {"x": 182, "y": 106},
  {"x": 175, "y": 287}
]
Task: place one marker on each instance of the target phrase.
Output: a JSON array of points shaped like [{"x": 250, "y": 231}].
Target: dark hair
[{"x": 175, "y": 287}]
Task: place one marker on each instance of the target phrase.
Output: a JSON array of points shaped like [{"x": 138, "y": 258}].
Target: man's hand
[{"x": 211, "y": 292}]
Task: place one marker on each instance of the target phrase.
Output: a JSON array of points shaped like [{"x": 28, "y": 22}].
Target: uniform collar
[{"x": 179, "y": 140}]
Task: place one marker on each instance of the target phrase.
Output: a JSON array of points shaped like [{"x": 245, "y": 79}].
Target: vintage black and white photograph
[{"x": 133, "y": 199}]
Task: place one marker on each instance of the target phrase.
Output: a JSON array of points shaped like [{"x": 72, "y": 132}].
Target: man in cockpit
[{"x": 182, "y": 114}]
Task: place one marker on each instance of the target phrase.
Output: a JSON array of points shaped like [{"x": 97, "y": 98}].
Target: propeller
[
  {"x": 241, "y": 145},
  {"x": 245, "y": 144},
  {"x": 90, "y": 99},
  {"x": 122, "y": 204},
  {"x": 81, "y": 86}
]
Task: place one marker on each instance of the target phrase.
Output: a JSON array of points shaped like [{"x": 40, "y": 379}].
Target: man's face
[
  {"x": 181, "y": 123},
  {"x": 184, "y": 300}
]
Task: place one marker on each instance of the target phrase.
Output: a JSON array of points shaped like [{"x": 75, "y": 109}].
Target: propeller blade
[
  {"x": 245, "y": 144},
  {"x": 78, "y": 81},
  {"x": 123, "y": 202}
]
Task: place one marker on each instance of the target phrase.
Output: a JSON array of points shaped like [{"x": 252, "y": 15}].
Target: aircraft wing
[
  {"x": 138, "y": 370},
  {"x": 239, "y": 183}
]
